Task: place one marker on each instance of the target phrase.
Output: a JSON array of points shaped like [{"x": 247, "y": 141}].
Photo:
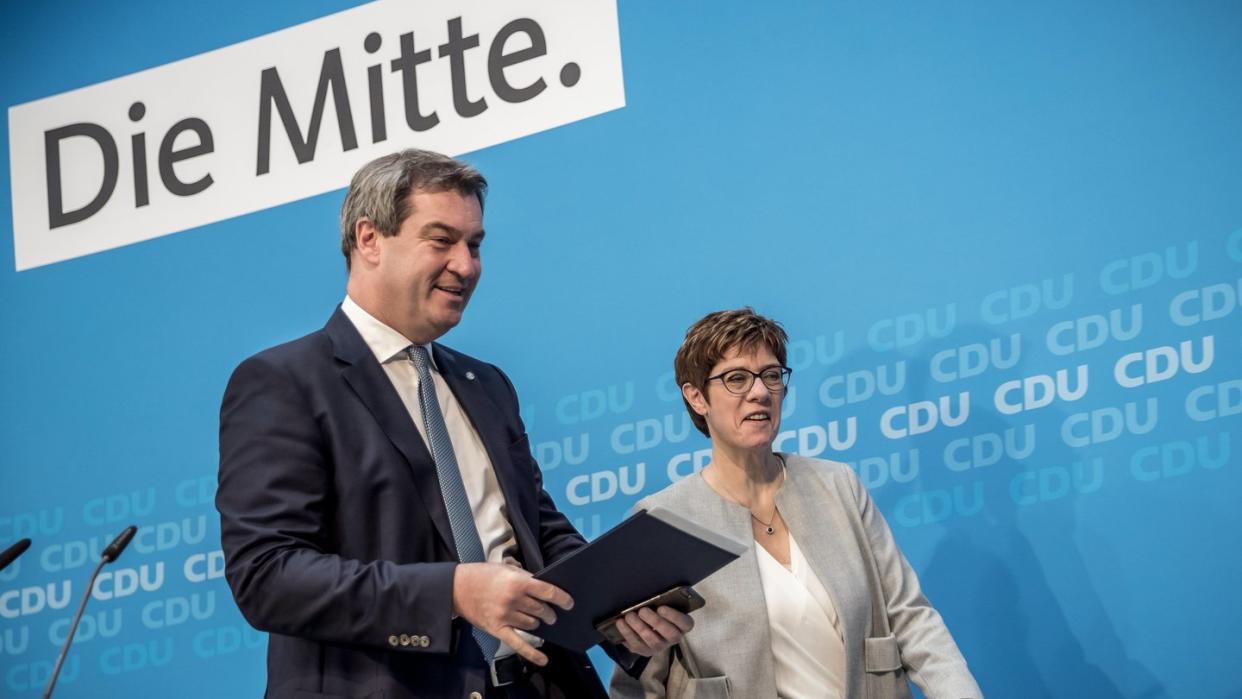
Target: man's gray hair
[{"x": 380, "y": 190}]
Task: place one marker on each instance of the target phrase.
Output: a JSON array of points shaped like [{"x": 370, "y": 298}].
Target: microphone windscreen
[
  {"x": 118, "y": 544},
  {"x": 11, "y": 553}
]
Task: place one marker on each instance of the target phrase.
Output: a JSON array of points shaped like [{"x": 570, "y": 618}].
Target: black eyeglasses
[{"x": 739, "y": 381}]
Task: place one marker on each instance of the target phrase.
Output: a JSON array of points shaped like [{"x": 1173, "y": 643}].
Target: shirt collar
[{"x": 384, "y": 342}]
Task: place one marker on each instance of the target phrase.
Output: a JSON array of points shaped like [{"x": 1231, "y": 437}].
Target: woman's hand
[{"x": 647, "y": 631}]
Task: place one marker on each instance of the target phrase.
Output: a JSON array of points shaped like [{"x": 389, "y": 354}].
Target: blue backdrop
[{"x": 1005, "y": 239}]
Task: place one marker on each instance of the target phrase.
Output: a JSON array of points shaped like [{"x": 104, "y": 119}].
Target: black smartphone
[{"x": 684, "y": 599}]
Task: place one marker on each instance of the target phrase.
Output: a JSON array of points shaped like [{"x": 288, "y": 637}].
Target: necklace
[
  {"x": 768, "y": 524},
  {"x": 768, "y": 528}
]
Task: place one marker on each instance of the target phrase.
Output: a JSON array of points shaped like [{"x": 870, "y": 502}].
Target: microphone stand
[
  {"x": 109, "y": 555},
  {"x": 73, "y": 628}
]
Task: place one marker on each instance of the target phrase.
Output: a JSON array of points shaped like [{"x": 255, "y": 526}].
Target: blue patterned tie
[{"x": 469, "y": 547}]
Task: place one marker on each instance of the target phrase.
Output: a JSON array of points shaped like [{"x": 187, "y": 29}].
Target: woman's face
[{"x": 747, "y": 421}]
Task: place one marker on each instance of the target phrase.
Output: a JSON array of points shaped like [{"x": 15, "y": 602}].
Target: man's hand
[
  {"x": 500, "y": 598},
  {"x": 647, "y": 632}
]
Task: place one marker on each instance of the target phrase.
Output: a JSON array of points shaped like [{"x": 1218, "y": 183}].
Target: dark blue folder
[{"x": 650, "y": 552}]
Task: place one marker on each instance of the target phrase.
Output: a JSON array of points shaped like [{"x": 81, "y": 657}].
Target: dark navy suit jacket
[{"x": 334, "y": 530}]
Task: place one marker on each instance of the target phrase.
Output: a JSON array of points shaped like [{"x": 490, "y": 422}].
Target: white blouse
[{"x": 807, "y": 646}]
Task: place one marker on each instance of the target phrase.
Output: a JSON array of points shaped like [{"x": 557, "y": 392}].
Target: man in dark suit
[{"x": 379, "y": 506}]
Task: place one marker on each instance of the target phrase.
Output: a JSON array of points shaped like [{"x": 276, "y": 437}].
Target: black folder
[{"x": 650, "y": 552}]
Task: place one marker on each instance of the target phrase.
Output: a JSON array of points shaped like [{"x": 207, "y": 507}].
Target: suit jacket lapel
[
  {"x": 482, "y": 410},
  {"x": 373, "y": 387}
]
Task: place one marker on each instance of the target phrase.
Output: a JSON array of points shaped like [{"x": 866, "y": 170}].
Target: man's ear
[
  {"x": 695, "y": 397},
  {"x": 366, "y": 241}
]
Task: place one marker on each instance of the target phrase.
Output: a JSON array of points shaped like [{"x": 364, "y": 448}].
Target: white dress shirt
[
  {"x": 807, "y": 647},
  {"x": 487, "y": 502}
]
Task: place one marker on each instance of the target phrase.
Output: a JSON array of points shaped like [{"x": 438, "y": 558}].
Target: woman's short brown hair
[{"x": 714, "y": 336}]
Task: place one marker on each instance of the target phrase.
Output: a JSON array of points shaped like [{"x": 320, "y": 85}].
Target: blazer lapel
[
  {"x": 373, "y": 387},
  {"x": 482, "y": 412},
  {"x": 823, "y": 532},
  {"x": 740, "y": 584}
]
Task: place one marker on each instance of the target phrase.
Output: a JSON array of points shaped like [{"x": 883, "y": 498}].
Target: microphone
[
  {"x": 110, "y": 554},
  {"x": 114, "y": 549},
  {"x": 11, "y": 553}
]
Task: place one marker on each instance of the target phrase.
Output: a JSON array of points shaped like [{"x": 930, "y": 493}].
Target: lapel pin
[{"x": 470, "y": 375}]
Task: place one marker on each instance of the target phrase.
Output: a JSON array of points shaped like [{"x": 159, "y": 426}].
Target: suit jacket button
[
  {"x": 392, "y": 640},
  {"x": 476, "y": 695},
  {"x": 424, "y": 641},
  {"x": 405, "y": 640}
]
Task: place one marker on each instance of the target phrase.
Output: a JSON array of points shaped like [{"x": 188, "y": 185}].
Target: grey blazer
[{"x": 890, "y": 628}]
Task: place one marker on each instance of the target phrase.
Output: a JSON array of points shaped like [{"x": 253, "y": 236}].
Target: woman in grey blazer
[{"x": 825, "y": 604}]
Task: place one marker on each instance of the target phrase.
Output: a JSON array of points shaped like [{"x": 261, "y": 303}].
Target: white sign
[{"x": 294, "y": 113}]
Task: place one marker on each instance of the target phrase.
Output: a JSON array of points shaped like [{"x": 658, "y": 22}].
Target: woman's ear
[{"x": 695, "y": 398}]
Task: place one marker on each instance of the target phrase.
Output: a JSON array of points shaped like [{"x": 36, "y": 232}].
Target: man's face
[{"x": 427, "y": 272}]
